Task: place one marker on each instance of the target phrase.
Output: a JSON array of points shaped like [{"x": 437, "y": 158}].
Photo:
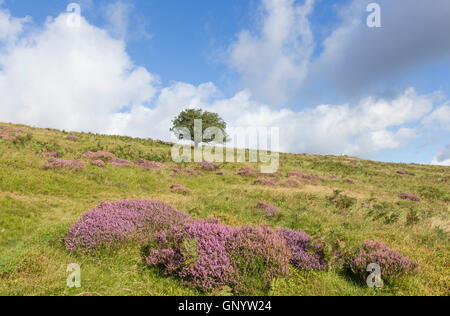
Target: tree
[{"x": 187, "y": 120}]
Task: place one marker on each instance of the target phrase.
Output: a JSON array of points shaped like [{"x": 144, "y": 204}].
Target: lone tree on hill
[{"x": 186, "y": 120}]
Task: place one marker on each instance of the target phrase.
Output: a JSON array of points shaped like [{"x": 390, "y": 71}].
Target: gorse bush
[
  {"x": 111, "y": 224},
  {"x": 393, "y": 264}
]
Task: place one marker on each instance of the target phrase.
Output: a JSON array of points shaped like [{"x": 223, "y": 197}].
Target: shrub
[
  {"x": 246, "y": 172},
  {"x": 305, "y": 255},
  {"x": 178, "y": 188},
  {"x": 51, "y": 154},
  {"x": 306, "y": 178},
  {"x": 411, "y": 197},
  {"x": 341, "y": 201},
  {"x": 393, "y": 264},
  {"x": 98, "y": 163},
  {"x": 209, "y": 166},
  {"x": 117, "y": 162},
  {"x": 198, "y": 254},
  {"x": 264, "y": 181},
  {"x": 269, "y": 210},
  {"x": 55, "y": 163},
  {"x": 99, "y": 155},
  {"x": 149, "y": 165},
  {"x": 71, "y": 137},
  {"x": 259, "y": 255},
  {"x": 210, "y": 255},
  {"x": 110, "y": 224}
]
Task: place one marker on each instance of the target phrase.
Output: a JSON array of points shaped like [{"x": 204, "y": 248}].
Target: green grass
[{"x": 38, "y": 207}]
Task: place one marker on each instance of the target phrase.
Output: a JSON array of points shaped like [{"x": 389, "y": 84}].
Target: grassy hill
[{"x": 38, "y": 207}]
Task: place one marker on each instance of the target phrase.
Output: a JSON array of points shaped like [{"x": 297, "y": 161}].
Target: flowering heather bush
[
  {"x": 333, "y": 176},
  {"x": 99, "y": 155},
  {"x": 190, "y": 172},
  {"x": 445, "y": 180},
  {"x": 258, "y": 255},
  {"x": 149, "y": 165},
  {"x": 6, "y": 136},
  {"x": 52, "y": 154},
  {"x": 208, "y": 166},
  {"x": 98, "y": 163},
  {"x": 403, "y": 172},
  {"x": 110, "y": 224},
  {"x": 71, "y": 137},
  {"x": 288, "y": 183},
  {"x": 211, "y": 255},
  {"x": 117, "y": 162},
  {"x": 411, "y": 197},
  {"x": 349, "y": 181},
  {"x": 178, "y": 188},
  {"x": 264, "y": 181},
  {"x": 55, "y": 163},
  {"x": 392, "y": 263},
  {"x": 198, "y": 254},
  {"x": 269, "y": 209},
  {"x": 305, "y": 255},
  {"x": 306, "y": 178},
  {"x": 246, "y": 172},
  {"x": 220, "y": 173}
]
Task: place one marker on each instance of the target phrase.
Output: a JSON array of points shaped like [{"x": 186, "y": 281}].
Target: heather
[
  {"x": 99, "y": 155},
  {"x": 268, "y": 209},
  {"x": 111, "y": 224},
  {"x": 55, "y": 163},
  {"x": 210, "y": 255},
  {"x": 305, "y": 254},
  {"x": 411, "y": 197},
  {"x": 39, "y": 207},
  {"x": 98, "y": 163},
  {"x": 392, "y": 263},
  {"x": 149, "y": 165},
  {"x": 120, "y": 163},
  {"x": 208, "y": 166}
]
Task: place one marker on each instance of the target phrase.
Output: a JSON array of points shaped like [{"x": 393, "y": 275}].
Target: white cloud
[
  {"x": 441, "y": 116},
  {"x": 274, "y": 63},
  {"x": 117, "y": 14},
  {"x": 82, "y": 78},
  {"x": 413, "y": 34},
  {"x": 442, "y": 158},
  {"x": 70, "y": 78},
  {"x": 10, "y": 27}
]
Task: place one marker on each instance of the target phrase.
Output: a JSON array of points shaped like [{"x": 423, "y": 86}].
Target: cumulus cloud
[
  {"x": 414, "y": 33},
  {"x": 442, "y": 158},
  {"x": 441, "y": 116},
  {"x": 10, "y": 27},
  {"x": 274, "y": 62},
  {"x": 81, "y": 78},
  {"x": 70, "y": 78}
]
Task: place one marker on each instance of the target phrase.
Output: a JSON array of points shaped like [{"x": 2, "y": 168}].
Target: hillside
[{"x": 39, "y": 206}]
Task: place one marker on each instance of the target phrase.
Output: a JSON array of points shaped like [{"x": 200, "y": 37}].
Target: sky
[{"x": 312, "y": 68}]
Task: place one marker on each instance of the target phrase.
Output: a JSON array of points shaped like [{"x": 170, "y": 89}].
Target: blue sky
[{"x": 312, "y": 68}]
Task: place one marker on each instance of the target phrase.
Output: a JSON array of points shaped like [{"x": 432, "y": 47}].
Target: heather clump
[
  {"x": 117, "y": 162},
  {"x": 50, "y": 155},
  {"x": 268, "y": 209},
  {"x": 111, "y": 224},
  {"x": 264, "y": 181},
  {"x": 411, "y": 197},
  {"x": 56, "y": 163},
  {"x": 210, "y": 255},
  {"x": 208, "y": 166},
  {"x": 72, "y": 138},
  {"x": 99, "y": 155},
  {"x": 311, "y": 179},
  {"x": 247, "y": 172},
  {"x": 259, "y": 255},
  {"x": 403, "y": 172},
  {"x": 98, "y": 163},
  {"x": 197, "y": 253},
  {"x": 305, "y": 254},
  {"x": 179, "y": 189},
  {"x": 149, "y": 165},
  {"x": 392, "y": 263},
  {"x": 288, "y": 183}
]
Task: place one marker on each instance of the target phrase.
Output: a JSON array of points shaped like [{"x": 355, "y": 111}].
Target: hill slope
[{"x": 38, "y": 207}]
